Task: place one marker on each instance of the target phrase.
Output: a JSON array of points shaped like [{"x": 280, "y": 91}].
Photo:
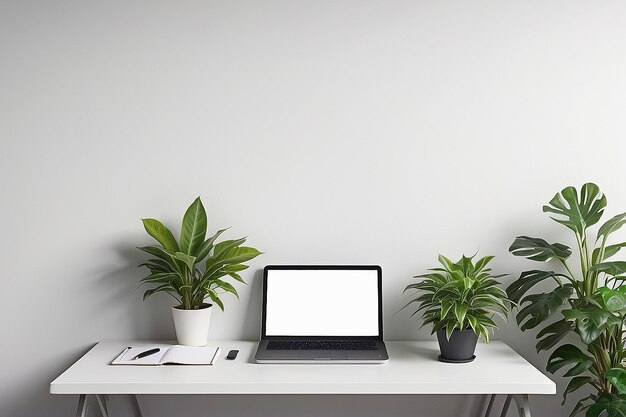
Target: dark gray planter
[{"x": 460, "y": 348}]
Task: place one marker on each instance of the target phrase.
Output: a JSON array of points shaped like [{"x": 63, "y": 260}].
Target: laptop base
[{"x": 379, "y": 355}]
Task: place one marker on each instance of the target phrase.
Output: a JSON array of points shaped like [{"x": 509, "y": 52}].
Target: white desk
[{"x": 412, "y": 369}]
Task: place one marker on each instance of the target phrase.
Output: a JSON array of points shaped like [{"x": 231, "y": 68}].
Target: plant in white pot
[
  {"x": 193, "y": 270},
  {"x": 459, "y": 300}
]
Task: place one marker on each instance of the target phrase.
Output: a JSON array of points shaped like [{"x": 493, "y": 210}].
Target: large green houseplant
[
  {"x": 193, "y": 269},
  {"x": 587, "y": 300},
  {"x": 459, "y": 300}
]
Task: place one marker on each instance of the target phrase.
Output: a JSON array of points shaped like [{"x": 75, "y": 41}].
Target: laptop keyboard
[{"x": 321, "y": 345}]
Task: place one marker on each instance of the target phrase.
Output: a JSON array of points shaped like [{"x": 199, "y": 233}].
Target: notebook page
[
  {"x": 190, "y": 355},
  {"x": 126, "y": 357}
]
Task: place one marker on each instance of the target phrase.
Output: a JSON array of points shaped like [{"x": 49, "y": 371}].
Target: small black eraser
[{"x": 232, "y": 354}]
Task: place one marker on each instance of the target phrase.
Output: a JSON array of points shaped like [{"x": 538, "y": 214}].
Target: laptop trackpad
[{"x": 328, "y": 355}]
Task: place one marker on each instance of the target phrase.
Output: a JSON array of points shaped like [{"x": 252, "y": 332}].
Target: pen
[{"x": 146, "y": 353}]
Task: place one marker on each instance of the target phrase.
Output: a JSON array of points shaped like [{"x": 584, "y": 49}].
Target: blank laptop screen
[{"x": 341, "y": 302}]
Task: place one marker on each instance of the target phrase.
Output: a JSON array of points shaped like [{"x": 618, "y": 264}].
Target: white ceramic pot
[{"x": 192, "y": 326}]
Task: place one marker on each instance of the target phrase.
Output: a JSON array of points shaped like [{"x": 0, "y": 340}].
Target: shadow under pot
[{"x": 460, "y": 348}]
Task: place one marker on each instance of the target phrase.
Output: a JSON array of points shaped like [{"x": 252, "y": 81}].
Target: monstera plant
[{"x": 588, "y": 299}]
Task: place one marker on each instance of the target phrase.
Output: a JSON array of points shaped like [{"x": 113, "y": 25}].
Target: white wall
[{"x": 326, "y": 131}]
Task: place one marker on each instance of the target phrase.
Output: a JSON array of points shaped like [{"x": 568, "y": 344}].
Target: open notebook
[{"x": 168, "y": 355}]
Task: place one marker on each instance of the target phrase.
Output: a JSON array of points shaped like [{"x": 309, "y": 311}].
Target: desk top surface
[{"x": 412, "y": 369}]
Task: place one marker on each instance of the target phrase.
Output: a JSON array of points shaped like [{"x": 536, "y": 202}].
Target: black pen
[{"x": 146, "y": 353}]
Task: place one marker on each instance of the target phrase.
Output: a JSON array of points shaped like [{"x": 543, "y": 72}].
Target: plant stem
[{"x": 582, "y": 250}]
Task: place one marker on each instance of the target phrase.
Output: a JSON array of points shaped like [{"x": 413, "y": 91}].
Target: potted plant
[
  {"x": 192, "y": 270},
  {"x": 588, "y": 300},
  {"x": 459, "y": 300}
]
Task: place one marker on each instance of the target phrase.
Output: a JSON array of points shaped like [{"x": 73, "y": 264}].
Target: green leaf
[
  {"x": 188, "y": 260},
  {"x": 542, "y": 306},
  {"x": 239, "y": 255},
  {"x": 569, "y": 355},
  {"x": 617, "y": 378},
  {"x": 221, "y": 248},
  {"x": 610, "y": 268},
  {"x": 459, "y": 312},
  {"x": 158, "y": 265},
  {"x": 446, "y": 305},
  {"x": 160, "y": 277},
  {"x": 236, "y": 277},
  {"x": 590, "y": 321},
  {"x": 526, "y": 281},
  {"x": 482, "y": 263},
  {"x": 609, "y": 251},
  {"x": 613, "y": 300},
  {"x": 578, "y": 213},
  {"x": 216, "y": 298},
  {"x": 583, "y": 404},
  {"x": 608, "y": 405},
  {"x": 161, "y": 233},
  {"x": 206, "y": 247},
  {"x": 161, "y": 288},
  {"x": 574, "y": 384},
  {"x": 553, "y": 334},
  {"x": 193, "y": 230},
  {"x": 611, "y": 225},
  {"x": 159, "y": 253},
  {"x": 450, "y": 328},
  {"x": 235, "y": 268},
  {"x": 537, "y": 249},
  {"x": 227, "y": 287}
]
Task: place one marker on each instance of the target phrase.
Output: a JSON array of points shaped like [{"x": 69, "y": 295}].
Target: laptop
[{"x": 322, "y": 314}]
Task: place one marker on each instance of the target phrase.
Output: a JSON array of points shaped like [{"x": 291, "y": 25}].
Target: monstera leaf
[
  {"x": 553, "y": 334},
  {"x": 609, "y": 251},
  {"x": 569, "y": 355},
  {"x": 526, "y": 281},
  {"x": 612, "y": 300},
  {"x": 617, "y": 378},
  {"x": 608, "y": 405},
  {"x": 611, "y": 225},
  {"x": 574, "y": 384},
  {"x": 541, "y": 306},
  {"x": 537, "y": 249},
  {"x": 578, "y": 213},
  {"x": 614, "y": 268},
  {"x": 591, "y": 321}
]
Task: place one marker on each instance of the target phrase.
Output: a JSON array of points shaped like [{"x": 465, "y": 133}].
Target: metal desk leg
[
  {"x": 505, "y": 407},
  {"x": 136, "y": 407},
  {"x": 521, "y": 400},
  {"x": 102, "y": 403},
  {"x": 523, "y": 406},
  {"x": 81, "y": 410},
  {"x": 492, "y": 397}
]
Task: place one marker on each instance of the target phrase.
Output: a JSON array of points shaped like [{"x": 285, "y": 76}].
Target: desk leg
[
  {"x": 81, "y": 410},
  {"x": 102, "y": 403},
  {"x": 523, "y": 405},
  {"x": 521, "y": 400},
  {"x": 492, "y": 397},
  {"x": 507, "y": 404},
  {"x": 136, "y": 407}
]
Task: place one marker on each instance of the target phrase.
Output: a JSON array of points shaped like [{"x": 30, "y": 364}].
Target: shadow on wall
[{"x": 131, "y": 317}]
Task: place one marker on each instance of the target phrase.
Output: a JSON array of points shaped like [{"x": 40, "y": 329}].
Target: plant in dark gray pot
[{"x": 459, "y": 299}]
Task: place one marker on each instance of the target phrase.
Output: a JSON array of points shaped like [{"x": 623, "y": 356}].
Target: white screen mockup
[{"x": 322, "y": 303}]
